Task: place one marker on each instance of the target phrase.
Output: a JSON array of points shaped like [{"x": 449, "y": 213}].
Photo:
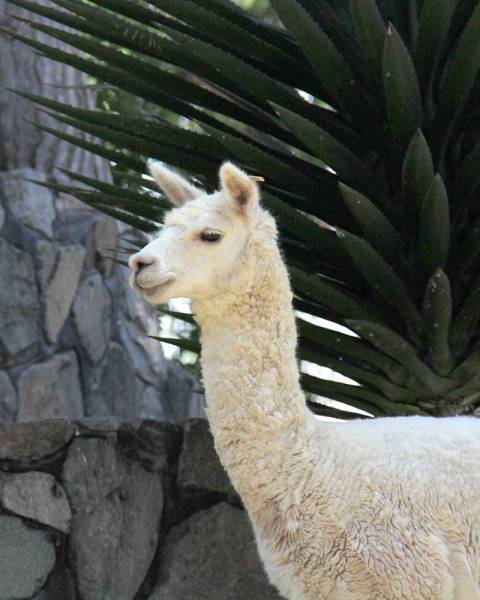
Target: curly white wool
[{"x": 384, "y": 509}]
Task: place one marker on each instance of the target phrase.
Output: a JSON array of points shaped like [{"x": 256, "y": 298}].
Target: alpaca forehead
[{"x": 204, "y": 211}]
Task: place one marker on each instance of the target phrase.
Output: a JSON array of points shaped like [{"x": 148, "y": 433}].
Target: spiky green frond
[{"x": 363, "y": 119}]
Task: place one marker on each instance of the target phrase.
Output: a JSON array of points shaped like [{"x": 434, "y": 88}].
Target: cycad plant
[{"x": 363, "y": 119}]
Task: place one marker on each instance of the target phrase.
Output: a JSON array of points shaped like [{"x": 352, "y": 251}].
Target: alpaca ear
[
  {"x": 242, "y": 190},
  {"x": 177, "y": 189}
]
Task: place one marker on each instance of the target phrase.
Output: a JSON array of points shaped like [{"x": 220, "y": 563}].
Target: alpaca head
[{"x": 208, "y": 243}]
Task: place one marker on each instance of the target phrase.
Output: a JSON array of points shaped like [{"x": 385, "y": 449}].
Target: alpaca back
[{"x": 389, "y": 511}]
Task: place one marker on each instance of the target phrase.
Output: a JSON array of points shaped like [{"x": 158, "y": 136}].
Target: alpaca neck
[{"x": 255, "y": 405}]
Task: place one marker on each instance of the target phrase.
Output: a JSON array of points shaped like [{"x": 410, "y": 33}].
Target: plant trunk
[{"x": 21, "y": 143}]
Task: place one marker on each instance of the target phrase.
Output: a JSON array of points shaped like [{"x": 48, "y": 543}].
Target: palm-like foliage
[{"x": 363, "y": 115}]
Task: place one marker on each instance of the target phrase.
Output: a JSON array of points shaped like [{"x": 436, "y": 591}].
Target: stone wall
[
  {"x": 96, "y": 509},
  {"x": 73, "y": 336}
]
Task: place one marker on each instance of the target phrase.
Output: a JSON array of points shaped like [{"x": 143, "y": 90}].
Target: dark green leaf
[
  {"x": 274, "y": 35},
  {"x": 434, "y": 24},
  {"x": 371, "y": 30},
  {"x": 276, "y": 171},
  {"x": 467, "y": 178},
  {"x": 351, "y": 349},
  {"x": 183, "y": 344},
  {"x": 322, "y": 410},
  {"x": 330, "y": 295},
  {"x": 357, "y": 397},
  {"x": 383, "y": 280},
  {"x": 377, "y": 228},
  {"x": 347, "y": 166},
  {"x": 362, "y": 375},
  {"x": 466, "y": 321},
  {"x": 340, "y": 392},
  {"x": 179, "y": 157},
  {"x": 120, "y": 192},
  {"x": 460, "y": 76},
  {"x": 434, "y": 234},
  {"x": 403, "y": 100},
  {"x": 304, "y": 228},
  {"x": 437, "y": 315},
  {"x": 393, "y": 345},
  {"x": 333, "y": 73},
  {"x": 417, "y": 176},
  {"x": 180, "y": 88},
  {"x": 222, "y": 31},
  {"x": 116, "y": 156}
]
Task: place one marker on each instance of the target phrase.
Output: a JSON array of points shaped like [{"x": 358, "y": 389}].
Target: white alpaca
[{"x": 382, "y": 509}]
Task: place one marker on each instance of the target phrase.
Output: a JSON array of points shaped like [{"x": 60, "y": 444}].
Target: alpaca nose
[{"x": 138, "y": 261}]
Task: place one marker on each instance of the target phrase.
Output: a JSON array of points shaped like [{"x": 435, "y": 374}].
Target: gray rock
[
  {"x": 38, "y": 497},
  {"x": 60, "y": 584},
  {"x": 212, "y": 555},
  {"x": 117, "y": 508},
  {"x": 152, "y": 406},
  {"x": 8, "y": 398},
  {"x": 98, "y": 426},
  {"x": 199, "y": 468},
  {"x": 91, "y": 313},
  {"x": 33, "y": 205},
  {"x": 139, "y": 321},
  {"x": 26, "y": 558},
  {"x": 58, "y": 296},
  {"x": 196, "y": 409},
  {"x": 51, "y": 389},
  {"x": 153, "y": 444},
  {"x": 116, "y": 392},
  {"x": 2, "y": 217},
  {"x": 178, "y": 393},
  {"x": 28, "y": 442},
  {"x": 104, "y": 240},
  {"x": 19, "y": 331},
  {"x": 46, "y": 256}
]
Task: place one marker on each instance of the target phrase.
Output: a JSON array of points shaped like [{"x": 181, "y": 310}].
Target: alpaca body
[
  {"x": 399, "y": 519},
  {"x": 385, "y": 509}
]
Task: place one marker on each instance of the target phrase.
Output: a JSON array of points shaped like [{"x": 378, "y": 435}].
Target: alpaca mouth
[{"x": 153, "y": 290}]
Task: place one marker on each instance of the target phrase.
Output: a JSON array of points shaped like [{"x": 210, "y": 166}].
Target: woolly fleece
[{"x": 381, "y": 509}]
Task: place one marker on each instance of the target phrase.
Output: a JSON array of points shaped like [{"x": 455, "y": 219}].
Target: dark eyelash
[{"x": 210, "y": 236}]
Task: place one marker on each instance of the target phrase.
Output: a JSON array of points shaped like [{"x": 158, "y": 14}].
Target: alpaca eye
[{"x": 210, "y": 236}]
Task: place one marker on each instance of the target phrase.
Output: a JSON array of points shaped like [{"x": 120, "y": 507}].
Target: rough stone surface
[
  {"x": 139, "y": 322},
  {"x": 2, "y": 217},
  {"x": 58, "y": 295},
  {"x": 26, "y": 558},
  {"x": 104, "y": 244},
  {"x": 33, "y": 205},
  {"x": 116, "y": 391},
  {"x": 117, "y": 508},
  {"x": 29, "y": 442},
  {"x": 222, "y": 559},
  {"x": 91, "y": 313},
  {"x": 46, "y": 256},
  {"x": 130, "y": 538},
  {"x": 199, "y": 468},
  {"x": 51, "y": 389},
  {"x": 155, "y": 445},
  {"x": 179, "y": 398},
  {"x": 19, "y": 331},
  {"x": 8, "y": 398},
  {"x": 60, "y": 584},
  {"x": 152, "y": 406},
  {"x": 37, "y": 496}
]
